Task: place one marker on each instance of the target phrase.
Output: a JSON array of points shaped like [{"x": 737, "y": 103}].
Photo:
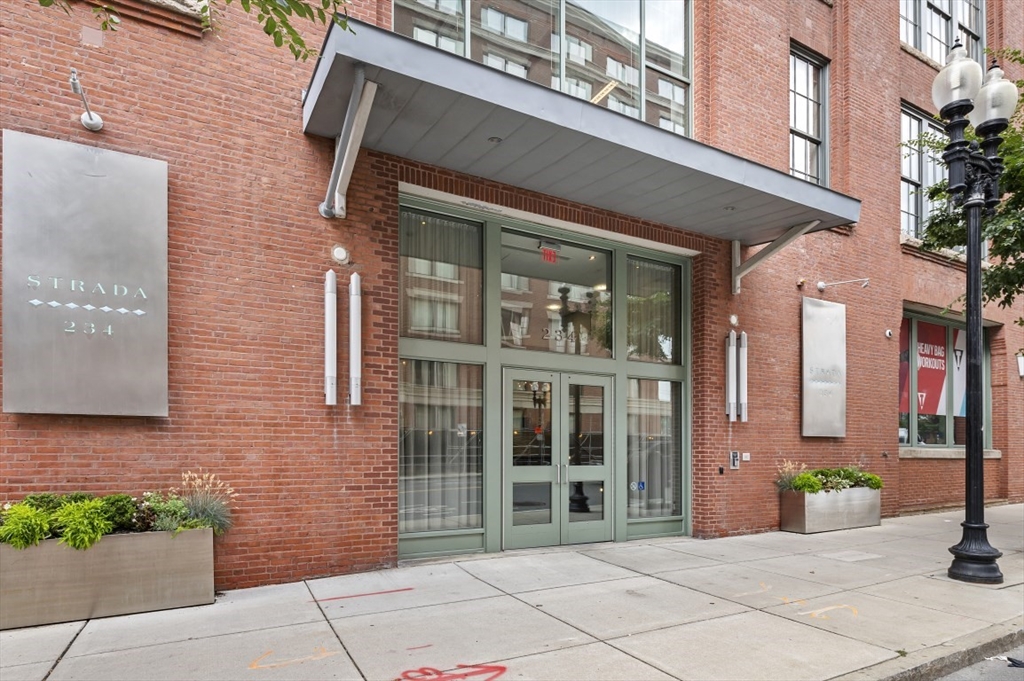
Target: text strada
[{"x": 99, "y": 292}]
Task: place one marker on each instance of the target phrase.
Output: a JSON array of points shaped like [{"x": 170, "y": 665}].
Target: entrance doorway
[{"x": 557, "y": 458}]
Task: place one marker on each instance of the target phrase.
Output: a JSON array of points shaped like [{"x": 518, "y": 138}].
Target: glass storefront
[{"x": 543, "y": 384}]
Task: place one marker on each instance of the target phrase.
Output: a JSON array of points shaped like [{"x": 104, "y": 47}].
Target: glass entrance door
[{"x": 557, "y": 469}]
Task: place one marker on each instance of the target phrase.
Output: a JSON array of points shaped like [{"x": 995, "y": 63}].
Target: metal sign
[
  {"x": 823, "y": 376},
  {"x": 84, "y": 279}
]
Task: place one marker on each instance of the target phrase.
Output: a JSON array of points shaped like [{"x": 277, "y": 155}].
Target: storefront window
[
  {"x": 652, "y": 326},
  {"x": 441, "y": 278},
  {"x": 654, "y": 448},
  {"x": 440, "y": 447},
  {"x": 555, "y": 296},
  {"x": 933, "y": 384}
]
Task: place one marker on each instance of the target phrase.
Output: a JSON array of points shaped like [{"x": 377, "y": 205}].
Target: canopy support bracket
[
  {"x": 347, "y": 144},
  {"x": 741, "y": 269}
]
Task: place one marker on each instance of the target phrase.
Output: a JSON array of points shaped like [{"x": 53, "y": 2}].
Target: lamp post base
[{"x": 974, "y": 559}]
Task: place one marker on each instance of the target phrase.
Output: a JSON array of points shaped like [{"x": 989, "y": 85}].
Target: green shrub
[
  {"x": 794, "y": 477},
  {"x": 807, "y": 482},
  {"x": 169, "y": 511},
  {"x": 75, "y": 497},
  {"x": 24, "y": 526},
  {"x": 209, "y": 510},
  {"x": 120, "y": 510},
  {"x": 46, "y": 502},
  {"x": 82, "y": 523}
]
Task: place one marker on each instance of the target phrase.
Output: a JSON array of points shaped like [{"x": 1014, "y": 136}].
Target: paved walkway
[{"x": 872, "y": 603}]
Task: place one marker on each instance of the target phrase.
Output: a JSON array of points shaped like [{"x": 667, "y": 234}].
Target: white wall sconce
[
  {"x": 339, "y": 254},
  {"x": 1020, "y": 365},
  {"x": 90, "y": 120}
]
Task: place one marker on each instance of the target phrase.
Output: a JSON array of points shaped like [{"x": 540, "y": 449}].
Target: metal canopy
[{"x": 445, "y": 110}]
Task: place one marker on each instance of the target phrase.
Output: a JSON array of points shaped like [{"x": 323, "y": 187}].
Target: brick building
[{"x": 546, "y": 232}]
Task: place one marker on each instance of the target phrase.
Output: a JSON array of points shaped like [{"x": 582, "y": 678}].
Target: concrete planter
[
  {"x": 826, "y": 511},
  {"x": 119, "y": 575}
]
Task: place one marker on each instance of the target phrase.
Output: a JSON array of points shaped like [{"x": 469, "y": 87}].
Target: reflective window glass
[
  {"x": 653, "y": 448},
  {"x": 653, "y": 311},
  {"x": 440, "y": 446},
  {"x": 440, "y": 278},
  {"x": 562, "y": 298}
]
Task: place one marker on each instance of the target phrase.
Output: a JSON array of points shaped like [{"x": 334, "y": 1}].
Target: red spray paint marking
[
  {"x": 375, "y": 593},
  {"x": 420, "y": 647},
  {"x": 488, "y": 672}
]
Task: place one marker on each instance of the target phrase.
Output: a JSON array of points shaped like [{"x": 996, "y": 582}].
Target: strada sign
[{"x": 84, "y": 279}]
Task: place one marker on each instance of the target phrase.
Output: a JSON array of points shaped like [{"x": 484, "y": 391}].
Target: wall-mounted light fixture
[
  {"x": 1020, "y": 365},
  {"x": 823, "y": 285},
  {"x": 90, "y": 120},
  {"x": 340, "y": 254}
]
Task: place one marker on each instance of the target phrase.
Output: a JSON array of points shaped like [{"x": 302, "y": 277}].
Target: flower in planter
[
  {"x": 798, "y": 479},
  {"x": 80, "y": 519}
]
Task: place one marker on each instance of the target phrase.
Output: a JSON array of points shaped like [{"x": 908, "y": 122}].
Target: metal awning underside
[{"x": 442, "y": 109}]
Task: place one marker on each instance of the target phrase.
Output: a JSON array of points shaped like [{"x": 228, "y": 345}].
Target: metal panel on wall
[
  {"x": 84, "y": 279},
  {"x": 823, "y": 372}
]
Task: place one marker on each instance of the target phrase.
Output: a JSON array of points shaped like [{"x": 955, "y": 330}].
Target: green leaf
[{"x": 270, "y": 27}]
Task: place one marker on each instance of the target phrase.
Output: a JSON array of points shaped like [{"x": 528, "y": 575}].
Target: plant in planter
[
  {"x": 827, "y": 499},
  {"x": 139, "y": 555}
]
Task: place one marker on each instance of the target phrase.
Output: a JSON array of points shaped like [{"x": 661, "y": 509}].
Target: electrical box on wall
[{"x": 734, "y": 460}]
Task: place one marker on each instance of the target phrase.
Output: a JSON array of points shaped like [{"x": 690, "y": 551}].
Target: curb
[{"x": 951, "y": 656}]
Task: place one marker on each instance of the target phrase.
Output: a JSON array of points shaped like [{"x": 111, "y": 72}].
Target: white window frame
[
  {"x": 919, "y": 169},
  {"x": 798, "y": 135},
  {"x": 932, "y": 26}
]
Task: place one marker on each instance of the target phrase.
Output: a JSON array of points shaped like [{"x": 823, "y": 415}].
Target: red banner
[{"x": 931, "y": 369}]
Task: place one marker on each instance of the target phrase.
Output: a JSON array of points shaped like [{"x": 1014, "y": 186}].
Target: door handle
[{"x": 558, "y": 474}]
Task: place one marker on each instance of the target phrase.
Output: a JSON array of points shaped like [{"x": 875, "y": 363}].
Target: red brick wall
[
  {"x": 247, "y": 254},
  {"x": 935, "y": 483}
]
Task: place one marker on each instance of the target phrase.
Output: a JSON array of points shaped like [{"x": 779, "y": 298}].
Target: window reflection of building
[
  {"x": 653, "y": 448},
  {"x": 440, "y": 450},
  {"x": 441, "y": 278},
  {"x": 598, "y": 58}
]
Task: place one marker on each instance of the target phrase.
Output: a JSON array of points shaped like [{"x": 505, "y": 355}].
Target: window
[
  {"x": 550, "y": 300},
  {"x": 622, "y": 73},
  {"x": 499, "y": 22},
  {"x": 933, "y": 384},
  {"x": 575, "y": 49},
  {"x": 506, "y": 65},
  {"x": 441, "y": 284},
  {"x": 440, "y": 446},
  {"x": 919, "y": 170},
  {"x": 932, "y": 26},
  {"x": 632, "y": 56},
  {"x": 437, "y": 40},
  {"x": 623, "y": 107},
  {"x": 573, "y": 86},
  {"x": 653, "y": 311},
  {"x": 446, "y": 6},
  {"x": 654, "y": 441},
  {"x": 807, "y": 87}
]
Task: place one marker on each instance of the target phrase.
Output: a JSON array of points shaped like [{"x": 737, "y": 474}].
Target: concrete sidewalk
[{"x": 872, "y": 603}]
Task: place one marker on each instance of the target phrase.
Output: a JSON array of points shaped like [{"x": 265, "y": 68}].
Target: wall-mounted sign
[
  {"x": 84, "y": 279},
  {"x": 823, "y": 376}
]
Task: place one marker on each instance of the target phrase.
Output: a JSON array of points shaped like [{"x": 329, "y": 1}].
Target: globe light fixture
[{"x": 974, "y": 170}]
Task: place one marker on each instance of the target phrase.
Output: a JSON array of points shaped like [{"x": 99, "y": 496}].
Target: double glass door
[{"x": 557, "y": 458}]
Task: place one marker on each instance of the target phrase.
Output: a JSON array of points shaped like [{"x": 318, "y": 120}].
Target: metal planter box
[
  {"x": 119, "y": 575},
  {"x": 826, "y": 511}
]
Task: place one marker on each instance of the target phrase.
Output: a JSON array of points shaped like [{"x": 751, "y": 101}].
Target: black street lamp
[{"x": 974, "y": 173}]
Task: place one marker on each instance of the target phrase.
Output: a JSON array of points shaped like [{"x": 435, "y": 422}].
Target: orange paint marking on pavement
[
  {"x": 373, "y": 593},
  {"x": 429, "y": 645},
  {"x": 818, "y": 613},
  {"x": 764, "y": 588},
  {"x": 320, "y": 654}
]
